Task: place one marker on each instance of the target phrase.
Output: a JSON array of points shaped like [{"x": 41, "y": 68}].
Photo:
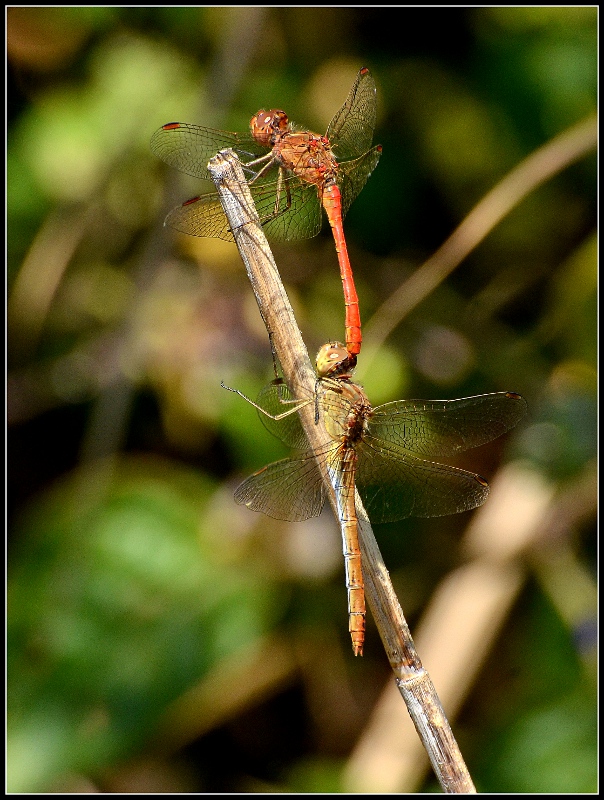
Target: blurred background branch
[{"x": 543, "y": 164}]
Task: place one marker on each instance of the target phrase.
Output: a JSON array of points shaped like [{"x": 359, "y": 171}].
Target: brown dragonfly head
[
  {"x": 267, "y": 126},
  {"x": 334, "y": 361}
]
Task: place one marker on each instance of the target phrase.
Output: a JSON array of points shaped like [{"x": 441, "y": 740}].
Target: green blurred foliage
[
  {"x": 549, "y": 743},
  {"x": 109, "y": 617},
  {"x": 132, "y": 573}
]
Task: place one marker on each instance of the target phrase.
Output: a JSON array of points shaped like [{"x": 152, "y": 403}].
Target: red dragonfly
[
  {"x": 313, "y": 171},
  {"x": 382, "y": 451}
]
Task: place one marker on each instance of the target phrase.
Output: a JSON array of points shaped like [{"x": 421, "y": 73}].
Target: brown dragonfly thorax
[
  {"x": 346, "y": 409},
  {"x": 346, "y": 406}
]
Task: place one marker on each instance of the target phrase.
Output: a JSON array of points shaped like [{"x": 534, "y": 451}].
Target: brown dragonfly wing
[
  {"x": 444, "y": 427},
  {"x": 291, "y": 489},
  {"x": 350, "y": 132},
  {"x": 398, "y": 485},
  {"x": 277, "y": 399}
]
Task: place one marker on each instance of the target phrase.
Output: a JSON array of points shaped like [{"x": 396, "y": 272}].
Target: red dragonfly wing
[
  {"x": 444, "y": 427},
  {"x": 350, "y": 132},
  {"x": 202, "y": 216},
  {"x": 188, "y": 148},
  {"x": 296, "y": 215},
  {"x": 291, "y": 489},
  {"x": 353, "y": 175}
]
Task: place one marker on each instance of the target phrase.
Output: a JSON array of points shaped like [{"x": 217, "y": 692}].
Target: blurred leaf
[
  {"x": 75, "y": 133},
  {"x": 563, "y": 435},
  {"x": 118, "y": 602},
  {"x": 315, "y": 776},
  {"x": 552, "y": 749},
  {"x": 572, "y": 309},
  {"x": 388, "y": 378}
]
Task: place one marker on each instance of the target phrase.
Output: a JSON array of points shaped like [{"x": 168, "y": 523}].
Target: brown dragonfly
[{"x": 382, "y": 451}]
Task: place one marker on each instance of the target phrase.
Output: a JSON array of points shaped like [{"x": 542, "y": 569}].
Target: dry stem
[{"x": 412, "y": 680}]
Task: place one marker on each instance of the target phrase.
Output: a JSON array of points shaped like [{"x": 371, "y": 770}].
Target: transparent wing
[
  {"x": 291, "y": 489},
  {"x": 353, "y": 175},
  {"x": 397, "y": 486},
  {"x": 444, "y": 427},
  {"x": 292, "y": 215},
  {"x": 298, "y": 215},
  {"x": 350, "y": 132},
  {"x": 188, "y": 148},
  {"x": 277, "y": 399},
  {"x": 393, "y": 482},
  {"x": 201, "y": 216}
]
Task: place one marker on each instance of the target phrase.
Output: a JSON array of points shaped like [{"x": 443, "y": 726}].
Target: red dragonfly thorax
[{"x": 308, "y": 155}]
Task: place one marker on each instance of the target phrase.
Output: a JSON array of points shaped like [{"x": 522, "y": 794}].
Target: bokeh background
[{"x": 160, "y": 637}]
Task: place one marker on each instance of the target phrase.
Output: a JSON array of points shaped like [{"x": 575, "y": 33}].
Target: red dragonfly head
[{"x": 267, "y": 126}]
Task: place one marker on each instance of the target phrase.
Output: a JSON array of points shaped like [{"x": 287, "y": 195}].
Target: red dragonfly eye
[{"x": 266, "y": 125}]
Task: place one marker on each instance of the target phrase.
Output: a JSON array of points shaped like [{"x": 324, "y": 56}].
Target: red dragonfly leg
[
  {"x": 281, "y": 182},
  {"x": 332, "y": 203},
  {"x": 268, "y": 160}
]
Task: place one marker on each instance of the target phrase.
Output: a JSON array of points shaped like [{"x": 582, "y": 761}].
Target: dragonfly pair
[{"x": 382, "y": 451}]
